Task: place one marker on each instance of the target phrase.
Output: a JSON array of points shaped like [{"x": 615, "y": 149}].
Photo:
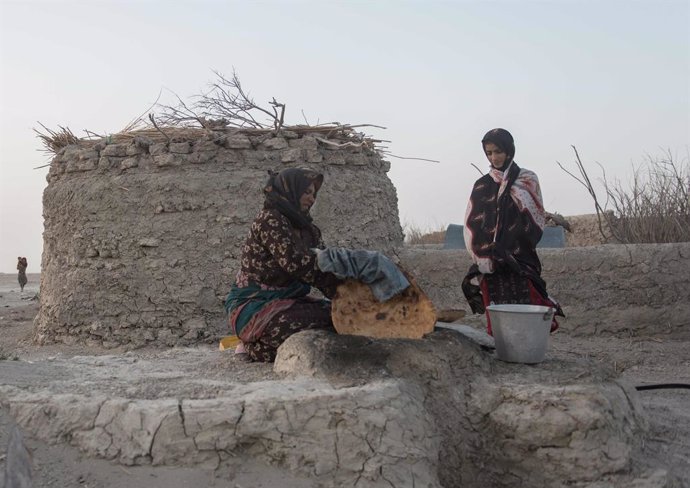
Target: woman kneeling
[{"x": 269, "y": 300}]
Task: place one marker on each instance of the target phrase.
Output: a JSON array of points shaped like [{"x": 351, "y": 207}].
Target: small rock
[
  {"x": 149, "y": 242},
  {"x": 276, "y": 143}
]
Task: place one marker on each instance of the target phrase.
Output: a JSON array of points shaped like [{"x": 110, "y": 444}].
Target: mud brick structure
[{"x": 143, "y": 233}]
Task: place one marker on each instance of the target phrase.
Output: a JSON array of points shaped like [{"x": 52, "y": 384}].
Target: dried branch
[
  {"x": 305, "y": 117},
  {"x": 477, "y": 168},
  {"x": 153, "y": 121},
  {"x": 572, "y": 175},
  {"x": 417, "y": 159},
  {"x": 227, "y": 100},
  {"x": 362, "y": 125},
  {"x": 180, "y": 115},
  {"x": 339, "y": 144},
  {"x": 93, "y": 135},
  {"x": 653, "y": 208},
  {"x": 225, "y": 105},
  {"x": 585, "y": 181},
  {"x": 136, "y": 122},
  {"x": 278, "y": 119}
]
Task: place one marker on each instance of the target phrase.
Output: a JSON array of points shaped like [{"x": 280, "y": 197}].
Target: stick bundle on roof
[{"x": 225, "y": 107}]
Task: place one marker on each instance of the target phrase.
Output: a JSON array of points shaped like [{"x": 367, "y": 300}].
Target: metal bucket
[{"x": 521, "y": 332}]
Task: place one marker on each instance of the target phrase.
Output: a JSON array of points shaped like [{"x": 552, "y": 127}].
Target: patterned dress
[{"x": 270, "y": 297}]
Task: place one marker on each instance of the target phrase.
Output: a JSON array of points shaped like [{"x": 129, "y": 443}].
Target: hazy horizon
[{"x": 610, "y": 77}]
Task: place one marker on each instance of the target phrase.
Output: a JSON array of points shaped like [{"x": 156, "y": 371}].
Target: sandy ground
[{"x": 639, "y": 361}]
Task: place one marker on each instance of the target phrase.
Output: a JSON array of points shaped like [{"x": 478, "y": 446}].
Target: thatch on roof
[
  {"x": 338, "y": 135},
  {"x": 54, "y": 140},
  {"x": 227, "y": 108}
]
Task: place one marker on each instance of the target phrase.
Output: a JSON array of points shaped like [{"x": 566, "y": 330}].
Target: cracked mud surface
[
  {"x": 199, "y": 373},
  {"x": 62, "y": 466}
]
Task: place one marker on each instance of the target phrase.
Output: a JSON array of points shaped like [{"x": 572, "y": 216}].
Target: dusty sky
[{"x": 610, "y": 77}]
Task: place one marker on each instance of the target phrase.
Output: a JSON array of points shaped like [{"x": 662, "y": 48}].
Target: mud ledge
[
  {"x": 614, "y": 289},
  {"x": 346, "y": 411}
]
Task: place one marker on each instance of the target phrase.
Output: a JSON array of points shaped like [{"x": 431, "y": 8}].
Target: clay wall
[
  {"x": 585, "y": 231},
  {"x": 142, "y": 238},
  {"x": 624, "y": 290}
]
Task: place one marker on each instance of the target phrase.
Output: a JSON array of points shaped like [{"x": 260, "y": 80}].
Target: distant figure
[{"x": 22, "y": 264}]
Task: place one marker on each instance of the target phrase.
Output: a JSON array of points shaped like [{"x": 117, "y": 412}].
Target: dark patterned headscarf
[
  {"x": 503, "y": 140},
  {"x": 283, "y": 191}
]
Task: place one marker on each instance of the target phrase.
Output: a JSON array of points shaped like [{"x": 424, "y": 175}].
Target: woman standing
[
  {"x": 269, "y": 302},
  {"x": 504, "y": 222}
]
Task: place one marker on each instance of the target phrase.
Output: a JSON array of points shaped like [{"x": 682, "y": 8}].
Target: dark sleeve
[
  {"x": 480, "y": 220},
  {"x": 532, "y": 233},
  {"x": 277, "y": 235}
]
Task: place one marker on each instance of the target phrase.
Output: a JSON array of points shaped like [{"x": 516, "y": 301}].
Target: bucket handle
[{"x": 548, "y": 315}]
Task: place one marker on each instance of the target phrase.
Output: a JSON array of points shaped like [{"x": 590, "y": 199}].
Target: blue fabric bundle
[{"x": 371, "y": 267}]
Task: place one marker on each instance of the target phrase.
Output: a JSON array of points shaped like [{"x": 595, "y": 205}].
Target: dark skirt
[
  {"x": 302, "y": 315},
  {"x": 512, "y": 288}
]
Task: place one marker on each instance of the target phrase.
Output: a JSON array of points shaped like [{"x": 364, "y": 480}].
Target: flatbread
[{"x": 356, "y": 311}]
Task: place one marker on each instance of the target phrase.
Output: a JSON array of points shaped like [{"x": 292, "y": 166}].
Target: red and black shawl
[{"x": 503, "y": 224}]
